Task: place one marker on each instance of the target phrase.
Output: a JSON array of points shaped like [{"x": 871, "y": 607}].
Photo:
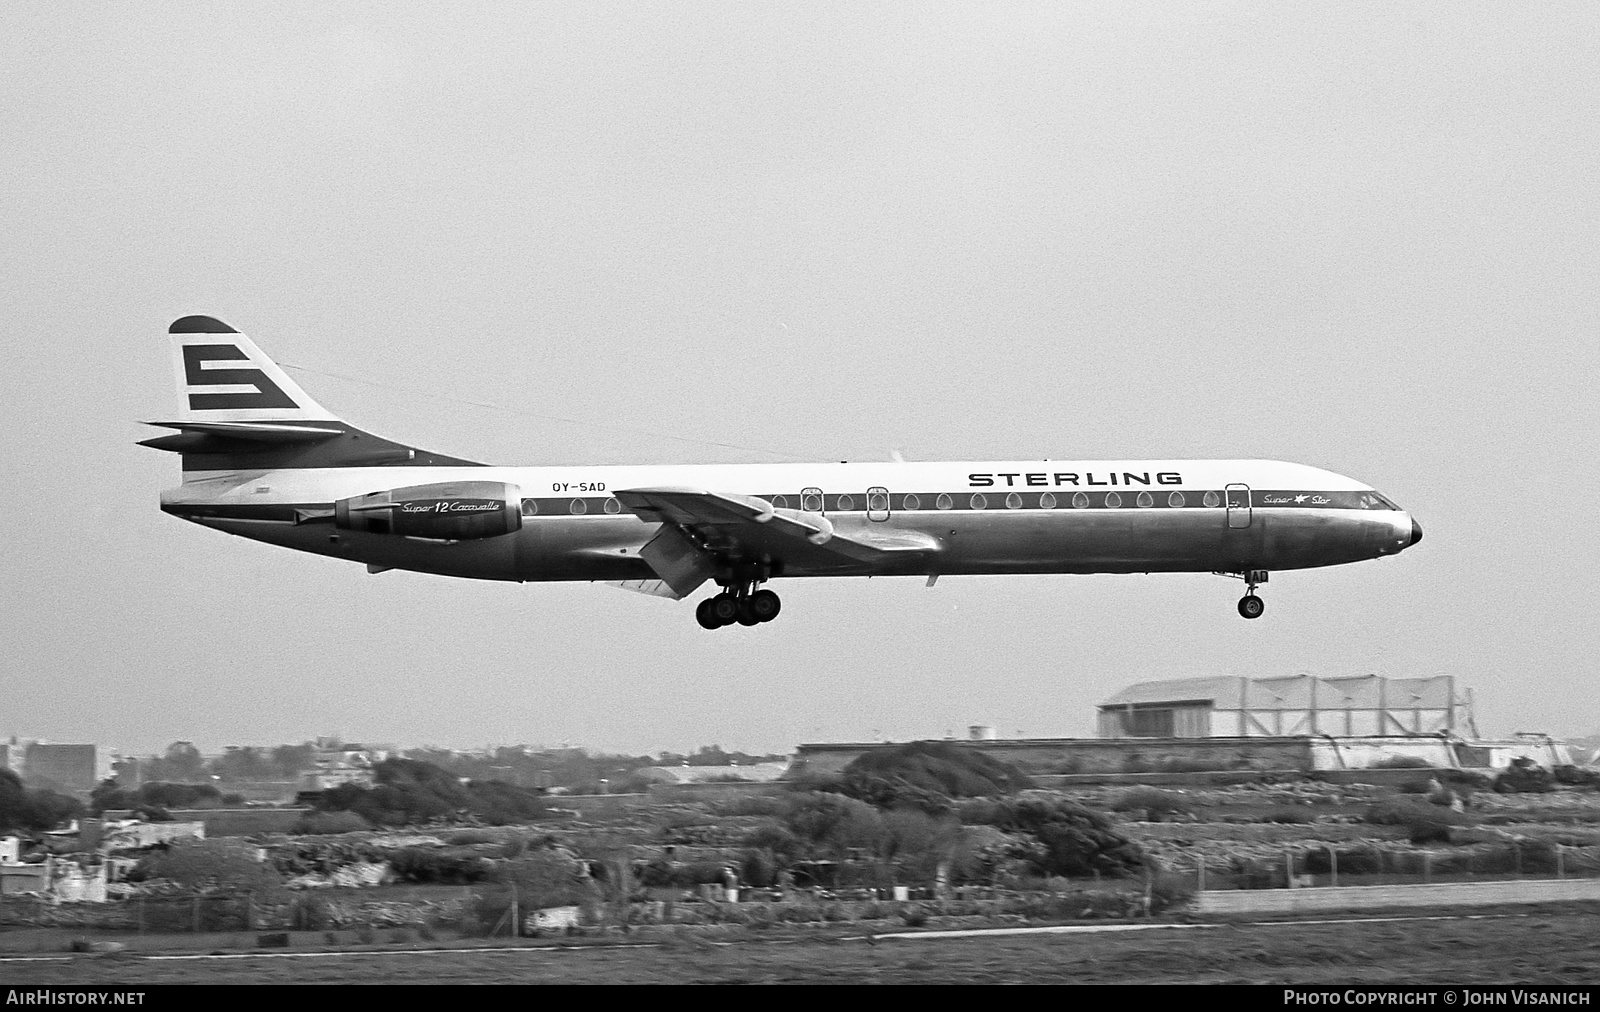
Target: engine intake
[{"x": 447, "y": 511}]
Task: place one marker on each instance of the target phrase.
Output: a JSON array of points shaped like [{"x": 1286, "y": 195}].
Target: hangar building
[{"x": 1231, "y": 706}]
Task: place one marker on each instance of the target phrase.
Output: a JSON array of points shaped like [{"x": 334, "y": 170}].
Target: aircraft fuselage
[{"x": 983, "y": 517}]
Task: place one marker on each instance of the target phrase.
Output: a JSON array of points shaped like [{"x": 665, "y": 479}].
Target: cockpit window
[{"x": 1374, "y": 501}]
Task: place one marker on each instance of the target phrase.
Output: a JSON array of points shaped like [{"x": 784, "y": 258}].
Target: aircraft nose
[{"x": 1416, "y": 532}]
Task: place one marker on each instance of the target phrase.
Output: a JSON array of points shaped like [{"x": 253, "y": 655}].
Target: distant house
[
  {"x": 69, "y": 767},
  {"x": 336, "y": 765}
]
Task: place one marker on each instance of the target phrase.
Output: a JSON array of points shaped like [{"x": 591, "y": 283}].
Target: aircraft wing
[{"x": 701, "y": 525}]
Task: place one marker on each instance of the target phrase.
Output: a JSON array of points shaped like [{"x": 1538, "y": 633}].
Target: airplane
[{"x": 264, "y": 461}]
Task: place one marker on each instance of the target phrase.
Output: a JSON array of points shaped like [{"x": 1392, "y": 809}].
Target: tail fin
[
  {"x": 224, "y": 377},
  {"x": 239, "y": 411}
]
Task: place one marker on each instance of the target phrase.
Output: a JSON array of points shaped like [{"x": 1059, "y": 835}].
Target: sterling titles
[{"x": 1043, "y": 479}]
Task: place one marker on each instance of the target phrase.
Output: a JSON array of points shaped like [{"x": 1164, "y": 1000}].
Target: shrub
[
  {"x": 926, "y": 774},
  {"x": 1152, "y": 803},
  {"x": 1071, "y": 839},
  {"x": 758, "y": 868},
  {"x": 208, "y": 864},
  {"x": 1402, "y": 762},
  {"x": 468, "y": 837},
  {"x": 1524, "y": 776},
  {"x": 409, "y": 790},
  {"x": 1471, "y": 780},
  {"x": 329, "y": 824},
  {"x": 1425, "y": 823},
  {"x": 752, "y": 804},
  {"x": 834, "y": 823},
  {"x": 440, "y": 865},
  {"x": 777, "y": 840},
  {"x": 1577, "y": 776},
  {"x": 37, "y": 809},
  {"x": 164, "y": 795}
]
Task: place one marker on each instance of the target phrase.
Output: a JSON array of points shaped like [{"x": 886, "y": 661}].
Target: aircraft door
[
  {"x": 877, "y": 504},
  {"x": 811, "y": 500},
  {"x": 1239, "y": 511}
]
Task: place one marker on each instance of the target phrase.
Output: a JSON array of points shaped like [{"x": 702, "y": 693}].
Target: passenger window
[
  {"x": 978, "y": 501},
  {"x": 1212, "y": 499},
  {"x": 780, "y": 502},
  {"x": 1047, "y": 501},
  {"x": 530, "y": 507},
  {"x": 944, "y": 501},
  {"x": 1145, "y": 500},
  {"x": 1113, "y": 500},
  {"x": 847, "y": 503},
  {"x": 612, "y": 506},
  {"x": 912, "y": 502},
  {"x": 1013, "y": 501},
  {"x": 1080, "y": 501},
  {"x": 579, "y": 506},
  {"x": 811, "y": 502},
  {"x": 877, "y": 501},
  {"x": 1175, "y": 500}
]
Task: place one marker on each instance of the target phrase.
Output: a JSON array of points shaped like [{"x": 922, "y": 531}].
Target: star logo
[{"x": 1301, "y": 498}]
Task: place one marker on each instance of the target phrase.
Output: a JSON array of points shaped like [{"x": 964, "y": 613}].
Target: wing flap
[{"x": 751, "y": 526}]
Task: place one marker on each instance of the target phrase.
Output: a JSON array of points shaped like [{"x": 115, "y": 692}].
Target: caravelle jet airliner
[{"x": 262, "y": 460}]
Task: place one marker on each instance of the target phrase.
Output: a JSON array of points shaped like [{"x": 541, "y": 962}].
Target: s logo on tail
[{"x": 263, "y": 393}]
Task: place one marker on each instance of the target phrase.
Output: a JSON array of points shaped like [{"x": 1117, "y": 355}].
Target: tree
[
  {"x": 182, "y": 761},
  {"x": 289, "y": 761},
  {"x": 242, "y": 763},
  {"x": 21, "y": 808}
]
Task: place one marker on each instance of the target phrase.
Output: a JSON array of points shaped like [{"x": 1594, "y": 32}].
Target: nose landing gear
[{"x": 1250, "y": 606}]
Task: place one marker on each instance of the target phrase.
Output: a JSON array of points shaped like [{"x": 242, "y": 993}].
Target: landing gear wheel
[
  {"x": 724, "y": 608},
  {"x": 702, "y": 614},
  {"x": 1251, "y": 606},
  {"x": 747, "y": 615},
  {"x": 764, "y": 605}
]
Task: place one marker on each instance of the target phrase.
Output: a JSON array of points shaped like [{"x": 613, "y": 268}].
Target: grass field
[{"x": 1561, "y": 946}]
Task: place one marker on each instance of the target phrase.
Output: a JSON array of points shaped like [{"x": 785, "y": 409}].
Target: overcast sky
[{"x": 1358, "y": 236}]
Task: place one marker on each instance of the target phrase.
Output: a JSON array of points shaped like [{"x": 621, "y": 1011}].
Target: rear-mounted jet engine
[{"x": 448, "y": 511}]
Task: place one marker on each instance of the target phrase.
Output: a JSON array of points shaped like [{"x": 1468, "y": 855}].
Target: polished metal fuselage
[{"x": 603, "y": 546}]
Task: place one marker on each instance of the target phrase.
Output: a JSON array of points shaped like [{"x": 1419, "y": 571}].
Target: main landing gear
[
  {"x": 729, "y": 607},
  {"x": 740, "y": 601},
  {"x": 1250, "y": 606}
]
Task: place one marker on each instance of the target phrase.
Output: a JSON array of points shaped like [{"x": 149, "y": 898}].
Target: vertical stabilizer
[
  {"x": 237, "y": 410},
  {"x": 224, "y": 377}
]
